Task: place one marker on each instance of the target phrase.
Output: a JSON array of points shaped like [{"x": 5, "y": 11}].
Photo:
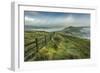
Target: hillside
[
  {"x": 82, "y": 31},
  {"x": 63, "y": 46}
]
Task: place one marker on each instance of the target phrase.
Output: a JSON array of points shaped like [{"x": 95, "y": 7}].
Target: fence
[{"x": 33, "y": 47}]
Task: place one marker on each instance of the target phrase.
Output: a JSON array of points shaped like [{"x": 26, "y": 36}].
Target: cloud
[
  {"x": 43, "y": 20},
  {"x": 29, "y": 19}
]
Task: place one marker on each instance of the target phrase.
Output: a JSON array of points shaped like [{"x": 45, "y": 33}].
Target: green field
[{"x": 61, "y": 46}]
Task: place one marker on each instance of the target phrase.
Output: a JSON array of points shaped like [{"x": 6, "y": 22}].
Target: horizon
[{"x": 54, "y": 20}]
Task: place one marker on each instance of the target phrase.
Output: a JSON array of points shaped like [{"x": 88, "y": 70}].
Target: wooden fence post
[
  {"x": 50, "y": 36},
  {"x": 36, "y": 40},
  {"x": 45, "y": 40}
]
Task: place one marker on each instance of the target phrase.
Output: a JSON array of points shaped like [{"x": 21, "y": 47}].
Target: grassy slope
[{"x": 64, "y": 47}]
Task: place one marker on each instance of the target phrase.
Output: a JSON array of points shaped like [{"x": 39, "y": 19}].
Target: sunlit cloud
[{"x": 29, "y": 19}]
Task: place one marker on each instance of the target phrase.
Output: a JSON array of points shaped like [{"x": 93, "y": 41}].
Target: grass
[{"x": 61, "y": 47}]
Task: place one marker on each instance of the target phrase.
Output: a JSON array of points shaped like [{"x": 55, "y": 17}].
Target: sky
[{"x": 53, "y": 21}]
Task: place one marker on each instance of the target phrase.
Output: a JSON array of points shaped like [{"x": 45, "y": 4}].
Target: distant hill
[
  {"x": 75, "y": 29},
  {"x": 82, "y": 31}
]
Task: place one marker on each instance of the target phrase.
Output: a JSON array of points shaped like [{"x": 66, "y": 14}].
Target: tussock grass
[{"x": 63, "y": 46}]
